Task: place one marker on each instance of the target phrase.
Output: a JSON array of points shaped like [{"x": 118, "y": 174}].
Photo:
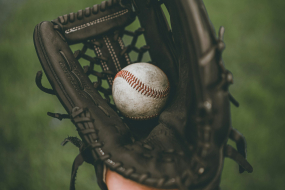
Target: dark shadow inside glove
[{"x": 140, "y": 129}]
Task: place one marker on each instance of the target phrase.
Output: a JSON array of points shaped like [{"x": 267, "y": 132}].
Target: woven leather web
[{"x": 101, "y": 79}]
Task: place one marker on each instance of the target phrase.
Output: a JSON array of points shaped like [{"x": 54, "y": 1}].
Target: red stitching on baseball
[{"x": 141, "y": 87}]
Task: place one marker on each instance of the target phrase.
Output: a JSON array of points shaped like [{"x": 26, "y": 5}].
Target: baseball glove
[{"x": 185, "y": 146}]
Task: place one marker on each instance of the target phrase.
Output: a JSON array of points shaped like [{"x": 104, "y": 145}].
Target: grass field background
[{"x": 31, "y": 157}]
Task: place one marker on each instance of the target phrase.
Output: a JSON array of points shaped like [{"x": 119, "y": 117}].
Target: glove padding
[{"x": 185, "y": 147}]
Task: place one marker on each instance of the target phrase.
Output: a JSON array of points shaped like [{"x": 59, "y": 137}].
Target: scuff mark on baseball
[{"x": 140, "y": 91}]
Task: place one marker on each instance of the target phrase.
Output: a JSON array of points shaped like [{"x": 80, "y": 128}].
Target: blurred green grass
[{"x": 30, "y": 153}]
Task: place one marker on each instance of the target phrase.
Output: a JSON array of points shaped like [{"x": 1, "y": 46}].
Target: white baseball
[{"x": 140, "y": 91}]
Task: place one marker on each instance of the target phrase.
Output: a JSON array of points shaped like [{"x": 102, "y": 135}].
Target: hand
[{"x": 115, "y": 181}]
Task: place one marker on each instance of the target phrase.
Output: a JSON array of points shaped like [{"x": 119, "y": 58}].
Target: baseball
[{"x": 140, "y": 91}]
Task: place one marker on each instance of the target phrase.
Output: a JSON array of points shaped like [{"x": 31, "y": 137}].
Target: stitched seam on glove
[
  {"x": 122, "y": 47},
  {"x": 112, "y": 52},
  {"x": 97, "y": 21},
  {"x": 103, "y": 63}
]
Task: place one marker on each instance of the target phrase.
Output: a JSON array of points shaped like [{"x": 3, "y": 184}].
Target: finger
[{"x": 158, "y": 37}]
